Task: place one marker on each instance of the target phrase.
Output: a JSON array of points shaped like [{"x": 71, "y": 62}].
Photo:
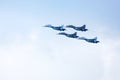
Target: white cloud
[{"x": 110, "y": 59}]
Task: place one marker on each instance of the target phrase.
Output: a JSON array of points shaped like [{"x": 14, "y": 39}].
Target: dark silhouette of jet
[
  {"x": 82, "y": 28},
  {"x": 94, "y": 40},
  {"x": 59, "y": 28},
  {"x": 74, "y": 35}
]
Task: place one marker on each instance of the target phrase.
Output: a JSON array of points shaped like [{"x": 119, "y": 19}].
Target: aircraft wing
[
  {"x": 49, "y": 25},
  {"x": 82, "y": 38}
]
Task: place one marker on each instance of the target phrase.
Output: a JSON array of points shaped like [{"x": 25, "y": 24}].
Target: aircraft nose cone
[
  {"x": 60, "y": 33},
  {"x": 46, "y": 26}
]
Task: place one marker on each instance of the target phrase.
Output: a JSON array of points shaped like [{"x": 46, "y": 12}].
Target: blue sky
[{"x": 30, "y": 51}]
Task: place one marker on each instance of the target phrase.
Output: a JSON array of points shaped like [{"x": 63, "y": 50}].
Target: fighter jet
[
  {"x": 94, "y": 40},
  {"x": 82, "y": 28},
  {"x": 74, "y": 35},
  {"x": 59, "y": 28}
]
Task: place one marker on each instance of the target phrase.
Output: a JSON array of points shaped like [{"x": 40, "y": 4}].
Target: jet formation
[{"x": 73, "y": 35}]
